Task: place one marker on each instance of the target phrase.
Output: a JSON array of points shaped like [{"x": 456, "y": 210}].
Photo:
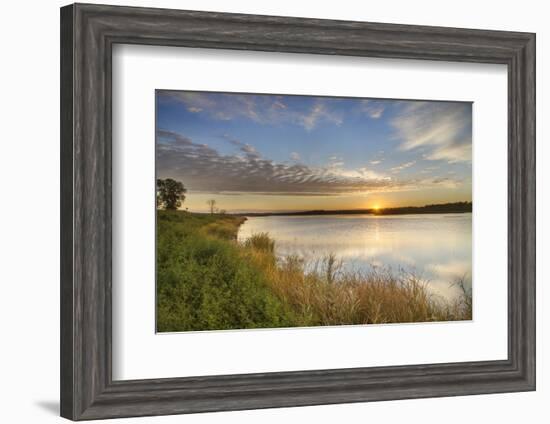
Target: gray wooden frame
[{"x": 88, "y": 33}]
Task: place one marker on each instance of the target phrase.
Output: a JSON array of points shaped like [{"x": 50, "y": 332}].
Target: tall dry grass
[{"x": 326, "y": 294}]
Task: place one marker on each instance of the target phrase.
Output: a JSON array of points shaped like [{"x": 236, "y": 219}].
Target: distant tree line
[{"x": 456, "y": 207}]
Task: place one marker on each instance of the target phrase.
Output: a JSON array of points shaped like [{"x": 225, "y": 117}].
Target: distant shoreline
[{"x": 457, "y": 207}]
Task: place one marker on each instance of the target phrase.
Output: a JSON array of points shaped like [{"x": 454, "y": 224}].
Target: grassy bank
[{"x": 206, "y": 280}]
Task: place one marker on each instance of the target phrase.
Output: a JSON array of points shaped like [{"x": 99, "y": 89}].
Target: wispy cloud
[
  {"x": 401, "y": 167},
  {"x": 319, "y": 112},
  {"x": 264, "y": 109},
  {"x": 245, "y": 148},
  {"x": 373, "y": 108},
  {"x": 442, "y": 129},
  {"x": 202, "y": 168}
]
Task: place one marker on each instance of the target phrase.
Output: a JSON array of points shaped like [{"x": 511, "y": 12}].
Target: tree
[
  {"x": 212, "y": 205},
  {"x": 170, "y": 194}
]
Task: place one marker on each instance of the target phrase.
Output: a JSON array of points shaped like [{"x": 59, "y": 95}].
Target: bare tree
[{"x": 212, "y": 205}]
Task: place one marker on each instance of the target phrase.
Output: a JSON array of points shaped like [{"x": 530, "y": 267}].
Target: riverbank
[{"x": 206, "y": 280}]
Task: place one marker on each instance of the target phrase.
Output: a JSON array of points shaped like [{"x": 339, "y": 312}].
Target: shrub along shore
[{"x": 206, "y": 280}]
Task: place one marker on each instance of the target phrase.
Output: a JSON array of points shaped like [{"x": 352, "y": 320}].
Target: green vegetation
[
  {"x": 170, "y": 194},
  {"x": 206, "y": 280},
  {"x": 203, "y": 280}
]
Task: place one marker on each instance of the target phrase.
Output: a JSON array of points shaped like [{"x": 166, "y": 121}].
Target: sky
[{"x": 265, "y": 153}]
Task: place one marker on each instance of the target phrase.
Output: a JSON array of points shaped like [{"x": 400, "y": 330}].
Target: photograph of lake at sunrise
[{"x": 299, "y": 211}]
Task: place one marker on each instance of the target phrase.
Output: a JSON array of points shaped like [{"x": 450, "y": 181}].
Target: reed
[{"x": 328, "y": 295}]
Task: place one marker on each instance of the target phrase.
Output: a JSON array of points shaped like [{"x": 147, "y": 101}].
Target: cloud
[
  {"x": 401, "y": 167},
  {"x": 442, "y": 129},
  {"x": 335, "y": 162},
  {"x": 318, "y": 112},
  {"x": 375, "y": 162},
  {"x": 371, "y": 174},
  {"x": 263, "y": 109},
  {"x": 202, "y": 168},
  {"x": 246, "y": 148},
  {"x": 295, "y": 156},
  {"x": 374, "y": 109},
  {"x": 279, "y": 105}
]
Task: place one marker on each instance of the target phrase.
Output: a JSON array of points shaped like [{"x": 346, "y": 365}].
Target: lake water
[{"x": 436, "y": 247}]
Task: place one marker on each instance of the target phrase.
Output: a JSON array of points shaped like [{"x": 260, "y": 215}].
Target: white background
[
  {"x": 29, "y": 170},
  {"x": 138, "y": 70}
]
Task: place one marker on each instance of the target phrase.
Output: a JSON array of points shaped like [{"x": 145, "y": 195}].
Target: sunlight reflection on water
[{"x": 437, "y": 247}]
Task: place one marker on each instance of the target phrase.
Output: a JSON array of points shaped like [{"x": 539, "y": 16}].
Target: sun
[{"x": 376, "y": 208}]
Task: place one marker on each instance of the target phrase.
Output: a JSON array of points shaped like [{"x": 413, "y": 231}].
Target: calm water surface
[{"x": 437, "y": 247}]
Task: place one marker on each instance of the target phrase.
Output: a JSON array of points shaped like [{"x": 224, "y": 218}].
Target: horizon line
[{"x": 336, "y": 211}]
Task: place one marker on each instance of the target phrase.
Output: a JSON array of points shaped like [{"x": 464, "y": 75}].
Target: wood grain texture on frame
[{"x": 88, "y": 33}]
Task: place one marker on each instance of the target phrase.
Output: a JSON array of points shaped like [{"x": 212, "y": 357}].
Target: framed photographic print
[{"x": 267, "y": 211}]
